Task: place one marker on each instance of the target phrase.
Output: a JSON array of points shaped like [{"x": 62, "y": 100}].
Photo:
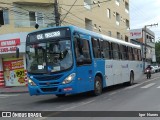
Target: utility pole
[
  {"x": 145, "y": 44},
  {"x": 56, "y": 11}
]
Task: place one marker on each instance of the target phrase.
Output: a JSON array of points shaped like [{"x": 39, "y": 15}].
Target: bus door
[
  {"x": 106, "y": 55},
  {"x": 117, "y": 71},
  {"x": 84, "y": 64}
]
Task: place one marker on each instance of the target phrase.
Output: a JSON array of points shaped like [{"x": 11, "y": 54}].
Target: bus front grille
[
  {"x": 49, "y": 84},
  {"x": 46, "y": 78}
]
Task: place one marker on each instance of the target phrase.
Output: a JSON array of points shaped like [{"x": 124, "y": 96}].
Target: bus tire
[
  {"x": 97, "y": 86},
  {"x": 131, "y": 82},
  {"x": 60, "y": 95}
]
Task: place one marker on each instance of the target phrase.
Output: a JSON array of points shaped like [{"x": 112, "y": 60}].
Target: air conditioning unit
[
  {"x": 99, "y": 4},
  {"x": 114, "y": 13},
  {"x": 94, "y": 2},
  {"x": 100, "y": 29}
]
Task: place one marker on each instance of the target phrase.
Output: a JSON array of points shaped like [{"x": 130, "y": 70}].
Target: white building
[{"x": 145, "y": 38}]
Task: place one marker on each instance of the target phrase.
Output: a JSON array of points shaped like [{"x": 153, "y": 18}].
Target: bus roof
[
  {"x": 104, "y": 37},
  {"x": 94, "y": 34}
]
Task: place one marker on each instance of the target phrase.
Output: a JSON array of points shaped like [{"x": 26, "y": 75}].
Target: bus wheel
[
  {"x": 97, "y": 86},
  {"x": 131, "y": 82},
  {"x": 60, "y": 95}
]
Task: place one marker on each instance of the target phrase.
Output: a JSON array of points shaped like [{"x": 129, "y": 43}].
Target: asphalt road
[{"x": 142, "y": 96}]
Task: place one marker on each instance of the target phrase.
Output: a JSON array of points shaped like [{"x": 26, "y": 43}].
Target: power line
[
  {"x": 69, "y": 10},
  {"x": 87, "y": 4},
  {"x": 92, "y": 25}
]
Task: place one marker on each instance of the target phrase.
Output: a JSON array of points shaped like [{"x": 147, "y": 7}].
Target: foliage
[{"x": 157, "y": 51}]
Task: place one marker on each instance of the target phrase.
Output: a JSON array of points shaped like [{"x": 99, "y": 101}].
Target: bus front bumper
[{"x": 56, "y": 90}]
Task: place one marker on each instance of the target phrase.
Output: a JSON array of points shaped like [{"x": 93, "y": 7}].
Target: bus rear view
[{"x": 49, "y": 60}]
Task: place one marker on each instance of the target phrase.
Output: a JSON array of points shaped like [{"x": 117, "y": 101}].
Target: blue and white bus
[{"x": 70, "y": 60}]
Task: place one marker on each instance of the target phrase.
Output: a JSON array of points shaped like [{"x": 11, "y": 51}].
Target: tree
[{"x": 157, "y": 51}]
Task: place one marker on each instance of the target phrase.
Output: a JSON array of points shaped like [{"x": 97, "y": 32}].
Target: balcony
[
  {"x": 26, "y": 23},
  {"x": 31, "y": 2}
]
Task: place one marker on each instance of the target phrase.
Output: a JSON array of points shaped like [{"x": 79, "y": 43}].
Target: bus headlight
[
  {"x": 69, "y": 78},
  {"x": 31, "y": 82}
]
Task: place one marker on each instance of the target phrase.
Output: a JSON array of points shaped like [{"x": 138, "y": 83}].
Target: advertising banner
[
  {"x": 14, "y": 74},
  {"x": 136, "y": 34}
]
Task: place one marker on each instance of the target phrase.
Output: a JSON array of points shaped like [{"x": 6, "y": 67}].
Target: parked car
[{"x": 157, "y": 69}]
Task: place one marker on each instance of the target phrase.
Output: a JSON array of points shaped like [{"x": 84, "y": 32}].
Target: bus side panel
[
  {"x": 84, "y": 78},
  {"x": 109, "y": 72},
  {"x": 99, "y": 69},
  {"x": 137, "y": 67},
  {"x": 117, "y": 71},
  {"x": 125, "y": 70}
]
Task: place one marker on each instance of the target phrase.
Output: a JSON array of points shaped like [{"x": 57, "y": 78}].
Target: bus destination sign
[{"x": 48, "y": 34}]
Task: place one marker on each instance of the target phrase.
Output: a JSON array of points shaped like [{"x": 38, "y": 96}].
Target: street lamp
[{"x": 145, "y": 44}]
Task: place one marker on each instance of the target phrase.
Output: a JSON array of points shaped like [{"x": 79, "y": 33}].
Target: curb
[{"x": 12, "y": 92}]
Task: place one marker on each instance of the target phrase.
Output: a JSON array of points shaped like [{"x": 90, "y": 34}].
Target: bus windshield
[{"x": 50, "y": 56}]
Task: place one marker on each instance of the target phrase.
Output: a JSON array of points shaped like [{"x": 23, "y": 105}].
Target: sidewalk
[{"x": 7, "y": 90}]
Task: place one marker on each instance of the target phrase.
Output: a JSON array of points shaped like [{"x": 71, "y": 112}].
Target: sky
[{"x": 145, "y": 12}]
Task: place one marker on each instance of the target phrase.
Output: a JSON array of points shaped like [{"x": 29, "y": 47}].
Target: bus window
[
  {"x": 135, "y": 53},
  {"x": 130, "y": 53},
  {"x": 96, "y": 48},
  {"x": 82, "y": 52},
  {"x": 105, "y": 49},
  {"x": 139, "y": 55},
  {"x": 123, "y": 50},
  {"x": 115, "y": 51}
]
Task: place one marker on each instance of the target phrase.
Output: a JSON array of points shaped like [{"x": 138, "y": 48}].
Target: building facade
[
  {"x": 109, "y": 17},
  {"x": 145, "y": 38},
  {"x": 18, "y": 17}
]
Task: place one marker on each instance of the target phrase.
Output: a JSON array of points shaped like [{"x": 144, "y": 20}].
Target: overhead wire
[
  {"x": 68, "y": 11},
  {"x": 52, "y": 19},
  {"x": 96, "y": 18}
]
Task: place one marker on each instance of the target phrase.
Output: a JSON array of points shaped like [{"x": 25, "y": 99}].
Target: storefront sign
[
  {"x": 14, "y": 72},
  {"x": 9, "y": 45},
  {"x": 7, "y": 49},
  {"x": 135, "y": 33},
  {"x": 11, "y": 42}
]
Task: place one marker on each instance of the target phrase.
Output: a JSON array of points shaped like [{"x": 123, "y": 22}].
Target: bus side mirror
[{"x": 17, "y": 52}]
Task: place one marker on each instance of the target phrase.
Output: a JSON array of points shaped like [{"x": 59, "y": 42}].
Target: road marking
[
  {"x": 158, "y": 87},
  {"x": 133, "y": 86},
  {"x": 60, "y": 106},
  {"x": 83, "y": 103},
  {"x": 112, "y": 93},
  {"x": 3, "y": 97},
  {"x": 149, "y": 85},
  {"x": 8, "y": 95}
]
